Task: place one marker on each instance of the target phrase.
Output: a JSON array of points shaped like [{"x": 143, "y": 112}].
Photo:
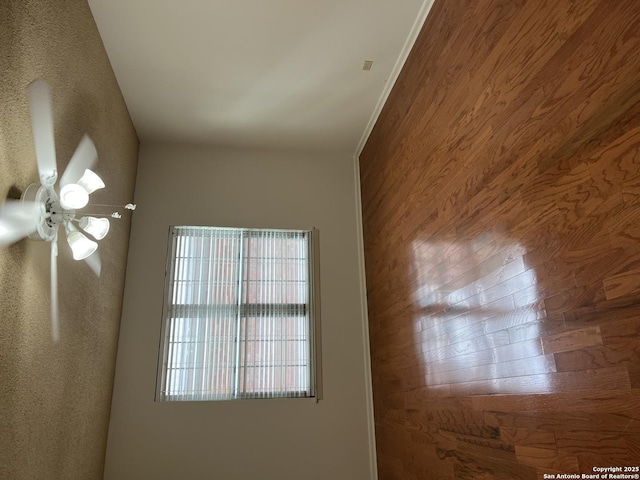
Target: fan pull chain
[{"x": 128, "y": 206}]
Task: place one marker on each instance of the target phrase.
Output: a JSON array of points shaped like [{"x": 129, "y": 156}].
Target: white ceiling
[{"x": 275, "y": 74}]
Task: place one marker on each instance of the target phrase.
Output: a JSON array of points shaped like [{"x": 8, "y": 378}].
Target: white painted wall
[{"x": 268, "y": 439}]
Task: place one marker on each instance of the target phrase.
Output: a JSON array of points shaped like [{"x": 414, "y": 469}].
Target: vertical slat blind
[{"x": 237, "y": 316}]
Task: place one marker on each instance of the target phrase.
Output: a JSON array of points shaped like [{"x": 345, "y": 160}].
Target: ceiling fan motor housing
[{"x": 52, "y": 214}]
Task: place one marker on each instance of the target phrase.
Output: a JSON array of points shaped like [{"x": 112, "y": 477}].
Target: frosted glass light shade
[
  {"x": 81, "y": 246},
  {"x": 98, "y": 227},
  {"x": 90, "y": 181},
  {"x": 73, "y": 197}
]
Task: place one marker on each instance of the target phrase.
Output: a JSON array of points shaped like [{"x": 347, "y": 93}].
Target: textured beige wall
[
  {"x": 55, "y": 398},
  {"x": 284, "y": 439}
]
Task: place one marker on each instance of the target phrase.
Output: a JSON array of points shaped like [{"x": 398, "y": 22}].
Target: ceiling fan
[{"x": 43, "y": 208}]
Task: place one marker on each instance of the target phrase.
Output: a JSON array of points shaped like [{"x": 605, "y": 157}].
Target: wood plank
[
  {"x": 613, "y": 378},
  {"x": 547, "y": 458},
  {"x": 622, "y": 284},
  {"x": 533, "y": 366},
  {"x": 528, "y": 438},
  {"x": 593, "y": 358},
  {"x": 565, "y": 420},
  {"x": 572, "y": 340},
  {"x": 598, "y": 400},
  {"x": 608, "y": 445},
  {"x": 473, "y": 466}
]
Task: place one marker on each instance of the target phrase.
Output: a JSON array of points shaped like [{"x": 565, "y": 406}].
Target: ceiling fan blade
[
  {"x": 42, "y": 127},
  {"x": 95, "y": 262},
  {"x": 84, "y": 157},
  {"x": 18, "y": 219},
  {"x": 55, "y": 319}
]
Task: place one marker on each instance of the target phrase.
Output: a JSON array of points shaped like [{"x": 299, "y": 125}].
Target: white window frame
[{"x": 312, "y": 307}]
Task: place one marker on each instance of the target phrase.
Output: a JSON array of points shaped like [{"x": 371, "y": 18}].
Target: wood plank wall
[{"x": 501, "y": 209}]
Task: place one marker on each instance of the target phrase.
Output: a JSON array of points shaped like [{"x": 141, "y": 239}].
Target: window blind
[{"x": 238, "y": 315}]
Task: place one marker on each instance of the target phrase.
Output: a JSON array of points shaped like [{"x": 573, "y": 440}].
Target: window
[{"x": 239, "y": 315}]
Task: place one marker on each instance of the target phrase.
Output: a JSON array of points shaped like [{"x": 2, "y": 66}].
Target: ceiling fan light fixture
[
  {"x": 43, "y": 209},
  {"x": 97, "y": 227},
  {"x": 81, "y": 246},
  {"x": 90, "y": 181},
  {"x": 73, "y": 197}
]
